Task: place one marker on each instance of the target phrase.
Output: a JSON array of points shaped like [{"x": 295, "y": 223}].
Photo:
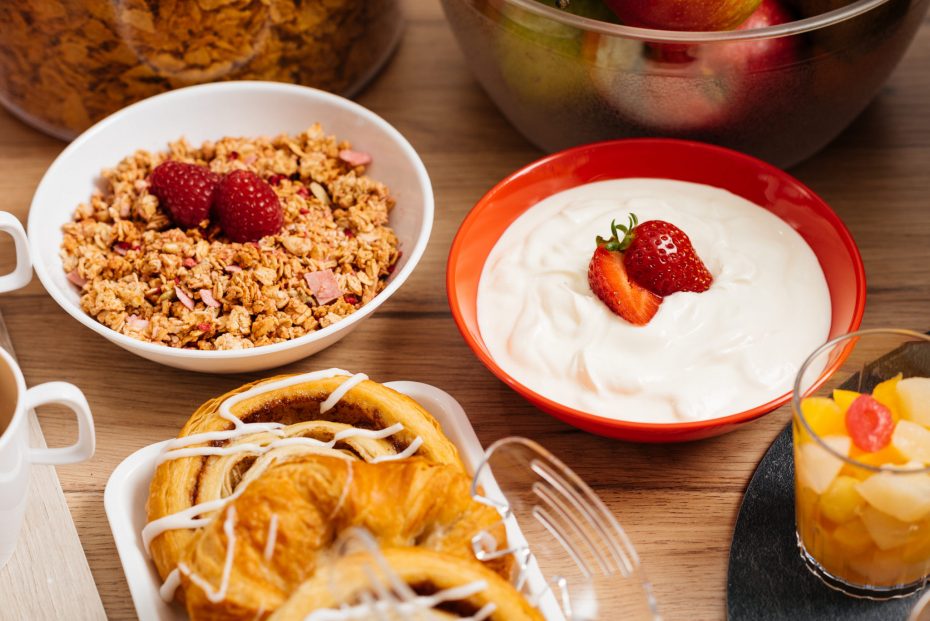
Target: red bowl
[{"x": 741, "y": 174}]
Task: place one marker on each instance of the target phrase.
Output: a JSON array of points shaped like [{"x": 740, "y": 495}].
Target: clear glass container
[
  {"x": 65, "y": 64},
  {"x": 863, "y": 499},
  {"x": 780, "y": 93}
]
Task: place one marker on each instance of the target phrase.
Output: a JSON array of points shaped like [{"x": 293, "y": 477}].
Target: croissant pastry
[
  {"x": 229, "y": 441},
  {"x": 269, "y": 540},
  {"x": 446, "y": 588}
]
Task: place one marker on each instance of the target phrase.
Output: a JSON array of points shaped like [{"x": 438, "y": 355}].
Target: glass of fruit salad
[{"x": 861, "y": 457}]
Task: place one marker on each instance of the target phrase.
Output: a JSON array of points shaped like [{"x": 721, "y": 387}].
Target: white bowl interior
[{"x": 210, "y": 112}]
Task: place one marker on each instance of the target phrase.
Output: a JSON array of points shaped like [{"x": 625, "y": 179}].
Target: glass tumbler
[{"x": 861, "y": 432}]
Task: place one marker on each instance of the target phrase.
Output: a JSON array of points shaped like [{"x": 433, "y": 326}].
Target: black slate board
[{"x": 767, "y": 580}]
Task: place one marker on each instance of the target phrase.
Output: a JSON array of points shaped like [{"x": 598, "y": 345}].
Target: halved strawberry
[
  {"x": 660, "y": 257},
  {"x": 608, "y": 280}
]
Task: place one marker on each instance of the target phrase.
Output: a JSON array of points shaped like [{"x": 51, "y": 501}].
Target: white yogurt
[{"x": 704, "y": 355}]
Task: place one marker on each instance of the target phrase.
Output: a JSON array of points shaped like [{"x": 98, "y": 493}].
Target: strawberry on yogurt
[{"x": 699, "y": 354}]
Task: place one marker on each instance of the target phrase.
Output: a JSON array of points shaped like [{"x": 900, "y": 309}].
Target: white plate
[{"x": 128, "y": 488}]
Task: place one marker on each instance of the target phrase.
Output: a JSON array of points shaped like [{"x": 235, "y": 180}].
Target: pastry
[
  {"x": 231, "y": 440},
  {"x": 442, "y": 587},
  {"x": 271, "y": 538}
]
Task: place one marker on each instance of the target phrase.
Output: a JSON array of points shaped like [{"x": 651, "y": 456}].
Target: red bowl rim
[{"x": 569, "y": 414}]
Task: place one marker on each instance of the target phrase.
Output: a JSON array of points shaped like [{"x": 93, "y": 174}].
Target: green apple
[{"x": 540, "y": 58}]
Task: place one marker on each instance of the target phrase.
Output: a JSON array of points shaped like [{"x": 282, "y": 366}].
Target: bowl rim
[
  {"x": 850, "y": 339},
  {"x": 271, "y": 88},
  {"x": 588, "y": 420},
  {"x": 798, "y": 26}
]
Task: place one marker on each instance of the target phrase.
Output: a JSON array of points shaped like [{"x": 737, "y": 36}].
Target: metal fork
[{"x": 571, "y": 557}]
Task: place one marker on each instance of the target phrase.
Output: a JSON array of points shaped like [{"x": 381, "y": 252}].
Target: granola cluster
[
  {"x": 146, "y": 278},
  {"x": 68, "y": 63}
]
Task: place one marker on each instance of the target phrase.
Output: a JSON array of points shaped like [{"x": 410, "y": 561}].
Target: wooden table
[{"x": 678, "y": 503}]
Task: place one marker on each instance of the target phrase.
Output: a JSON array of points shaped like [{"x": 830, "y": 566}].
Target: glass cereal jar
[{"x": 65, "y": 64}]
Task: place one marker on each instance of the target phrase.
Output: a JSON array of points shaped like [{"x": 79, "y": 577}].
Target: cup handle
[
  {"x": 22, "y": 273},
  {"x": 69, "y": 396}
]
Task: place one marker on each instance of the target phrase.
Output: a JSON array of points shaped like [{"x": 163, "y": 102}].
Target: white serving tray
[{"x": 128, "y": 488}]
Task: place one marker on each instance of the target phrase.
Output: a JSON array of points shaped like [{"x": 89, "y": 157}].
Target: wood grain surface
[
  {"x": 678, "y": 502},
  {"x": 48, "y": 571}
]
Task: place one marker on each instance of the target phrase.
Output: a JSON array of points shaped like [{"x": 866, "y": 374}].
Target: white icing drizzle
[
  {"x": 404, "y": 454},
  {"x": 272, "y": 536},
  {"x": 229, "y": 434},
  {"x": 227, "y": 405},
  {"x": 218, "y": 595},
  {"x": 172, "y": 582},
  {"x": 352, "y": 432},
  {"x": 240, "y": 428},
  {"x": 184, "y": 518},
  {"x": 345, "y": 490},
  {"x": 416, "y": 604},
  {"x": 340, "y": 392}
]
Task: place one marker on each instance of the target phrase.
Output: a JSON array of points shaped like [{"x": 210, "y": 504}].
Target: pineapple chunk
[
  {"x": 918, "y": 549},
  {"x": 853, "y": 536},
  {"x": 886, "y": 393},
  {"x": 882, "y": 568},
  {"x": 914, "y": 394},
  {"x": 817, "y": 467},
  {"x": 841, "y": 502},
  {"x": 824, "y": 416},
  {"x": 844, "y": 398},
  {"x": 912, "y": 441},
  {"x": 902, "y": 496},
  {"x": 886, "y": 531},
  {"x": 888, "y": 456}
]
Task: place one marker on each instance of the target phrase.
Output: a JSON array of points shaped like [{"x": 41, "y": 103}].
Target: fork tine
[
  {"x": 571, "y": 528},
  {"x": 592, "y": 513}
]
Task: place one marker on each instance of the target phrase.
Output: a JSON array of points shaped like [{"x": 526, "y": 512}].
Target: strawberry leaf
[{"x": 621, "y": 235}]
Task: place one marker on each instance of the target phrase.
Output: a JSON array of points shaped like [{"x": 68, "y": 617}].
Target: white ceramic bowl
[{"x": 212, "y": 111}]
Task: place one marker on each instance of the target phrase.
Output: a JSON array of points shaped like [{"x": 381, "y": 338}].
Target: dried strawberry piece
[
  {"x": 207, "y": 297},
  {"x": 76, "y": 279},
  {"x": 323, "y": 286},
  {"x": 355, "y": 158},
  {"x": 185, "y": 299}
]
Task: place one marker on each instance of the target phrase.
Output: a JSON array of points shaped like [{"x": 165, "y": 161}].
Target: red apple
[
  {"x": 762, "y": 54},
  {"x": 693, "y": 88},
  {"x": 683, "y": 14}
]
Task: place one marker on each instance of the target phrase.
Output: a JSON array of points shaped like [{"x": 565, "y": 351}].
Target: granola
[
  {"x": 148, "y": 279},
  {"x": 64, "y": 64}
]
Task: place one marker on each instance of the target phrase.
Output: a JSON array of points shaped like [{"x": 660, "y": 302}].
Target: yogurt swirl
[{"x": 704, "y": 355}]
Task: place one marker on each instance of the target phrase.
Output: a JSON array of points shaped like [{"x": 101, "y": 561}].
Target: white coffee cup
[
  {"x": 22, "y": 273},
  {"x": 16, "y": 457}
]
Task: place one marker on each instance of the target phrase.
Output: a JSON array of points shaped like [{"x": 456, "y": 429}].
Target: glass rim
[
  {"x": 829, "y": 372},
  {"x": 794, "y": 27}
]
